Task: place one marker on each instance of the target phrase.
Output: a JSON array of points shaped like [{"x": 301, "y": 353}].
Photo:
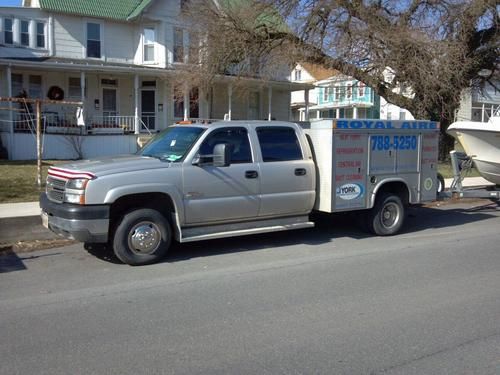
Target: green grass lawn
[
  {"x": 18, "y": 180},
  {"x": 446, "y": 171}
]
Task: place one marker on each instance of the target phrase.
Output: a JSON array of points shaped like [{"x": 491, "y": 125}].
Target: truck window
[
  {"x": 172, "y": 144},
  {"x": 279, "y": 144},
  {"x": 236, "y": 137}
]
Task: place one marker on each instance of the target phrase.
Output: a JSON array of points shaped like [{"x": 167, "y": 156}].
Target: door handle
[
  {"x": 300, "y": 172},
  {"x": 251, "y": 174}
]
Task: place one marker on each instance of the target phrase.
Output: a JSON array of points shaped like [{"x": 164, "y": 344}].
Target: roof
[
  {"x": 266, "y": 16},
  {"x": 114, "y": 9},
  {"x": 319, "y": 72}
]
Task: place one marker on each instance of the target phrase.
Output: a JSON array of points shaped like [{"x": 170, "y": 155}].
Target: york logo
[{"x": 349, "y": 191}]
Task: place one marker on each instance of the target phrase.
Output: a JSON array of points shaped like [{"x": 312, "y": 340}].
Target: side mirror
[{"x": 222, "y": 155}]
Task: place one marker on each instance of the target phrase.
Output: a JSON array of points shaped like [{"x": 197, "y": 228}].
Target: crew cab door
[
  {"x": 213, "y": 193},
  {"x": 287, "y": 173}
]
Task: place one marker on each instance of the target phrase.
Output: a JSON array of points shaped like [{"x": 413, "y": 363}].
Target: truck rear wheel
[
  {"x": 143, "y": 236},
  {"x": 387, "y": 216}
]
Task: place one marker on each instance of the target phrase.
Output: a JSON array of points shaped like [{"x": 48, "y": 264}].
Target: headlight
[
  {"x": 75, "y": 191},
  {"x": 77, "y": 184}
]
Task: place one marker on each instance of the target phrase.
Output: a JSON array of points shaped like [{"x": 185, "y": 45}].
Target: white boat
[{"x": 481, "y": 141}]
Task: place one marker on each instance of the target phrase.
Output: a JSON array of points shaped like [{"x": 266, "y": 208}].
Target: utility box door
[
  {"x": 428, "y": 162},
  {"x": 349, "y": 170}
]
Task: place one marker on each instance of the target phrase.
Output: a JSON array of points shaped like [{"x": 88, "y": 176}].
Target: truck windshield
[{"x": 172, "y": 144}]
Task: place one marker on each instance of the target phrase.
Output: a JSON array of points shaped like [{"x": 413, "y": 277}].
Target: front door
[
  {"x": 109, "y": 106},
  {"x": 214, "y": 194},
  {"x": 148, "y": 106}
]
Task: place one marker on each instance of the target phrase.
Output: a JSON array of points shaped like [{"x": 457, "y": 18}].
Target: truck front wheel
[
  {"x": 387, "y": 216},
  {"x": 142, "y": 236}
]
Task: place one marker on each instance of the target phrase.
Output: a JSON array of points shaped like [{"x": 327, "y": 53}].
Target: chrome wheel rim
[
  {"x": 390, "y": 215},
  {"x": 144, "y": 238}
]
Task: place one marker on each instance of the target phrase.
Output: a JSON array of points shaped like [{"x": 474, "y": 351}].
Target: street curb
[{"x": 25, "y": 228}]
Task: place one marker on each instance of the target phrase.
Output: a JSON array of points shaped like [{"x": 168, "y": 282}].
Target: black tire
[
  {"x": 143, "y": 236},
  {"x": 440, "y": 183},
  {"x": 387, "y": 216}
]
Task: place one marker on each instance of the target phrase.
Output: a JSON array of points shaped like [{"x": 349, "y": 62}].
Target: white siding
[
  {"x": 120, "y": 42},
  {"x": 69, "y": 34},
  {"x": 163, "y": 9},
  {"x": 59, "y": 146}
]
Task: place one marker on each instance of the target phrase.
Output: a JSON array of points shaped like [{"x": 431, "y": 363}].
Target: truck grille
[{"x": 55, "y": 189}]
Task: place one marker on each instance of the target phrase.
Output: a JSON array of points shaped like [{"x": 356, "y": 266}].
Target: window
[
  {"x": 194, "y": 103},
  {"x": 93, "y": 40},
  {"x": 194, "y": 48},
  {"x": 402, "y": 115},
  {"x": 349, "y": 91},
  {"x": 17, "y": 84},
  {"x": 149, "y": 44},
  {"x": 361, "y": 89},
  {"x": 326, "y": 94},
  {"x": 40, "y": 35},
  {"x": 178, "y": 45},
  {"x": 336, "y": 93},
  {"x": 74, "y": 87},
  {"x": 298, "y": 75},
  {"x": 8, "y": 35},
  {"x": 109, "y": 82},
  {"x": 25, "y": 33},
  {"x": 236, "y": 138},
  {"x": 279, "y": 144},
  {"x": 178, "y": 102},
  {"x": 35, "y": 87}
]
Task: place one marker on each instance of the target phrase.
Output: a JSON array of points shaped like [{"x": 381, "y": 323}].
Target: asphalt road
[{"x": 330, "y": 300}]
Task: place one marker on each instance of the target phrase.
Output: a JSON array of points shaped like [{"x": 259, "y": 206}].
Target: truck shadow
[
  {"x": 331, "y": 227},
  {"x": 327, "y": 229}
]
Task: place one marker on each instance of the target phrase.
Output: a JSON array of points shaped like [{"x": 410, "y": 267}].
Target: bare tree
[
  {"x": 75, "y": 142},
  {"x": 433, "y": 48}
]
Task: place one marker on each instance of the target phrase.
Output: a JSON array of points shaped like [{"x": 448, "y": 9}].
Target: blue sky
[{"x": 10, "y": 3}]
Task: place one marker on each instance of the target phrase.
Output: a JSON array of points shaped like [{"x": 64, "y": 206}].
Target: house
[
  {"x": 122, "y": 60},
  {"x": 303, "y": 99},
  {"x": 479, "y": 104},
  {"x": 335, "y": 95}
]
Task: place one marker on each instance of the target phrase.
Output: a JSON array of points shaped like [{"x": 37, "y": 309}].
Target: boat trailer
[{"x": 461, "y": 165}]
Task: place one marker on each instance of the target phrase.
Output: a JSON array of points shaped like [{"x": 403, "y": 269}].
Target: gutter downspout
[{"x": 51, "y": 36}]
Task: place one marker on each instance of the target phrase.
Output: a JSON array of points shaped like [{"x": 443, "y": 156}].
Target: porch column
[
  {"x": 82, "y": 96},
  {"x": 11, "y": 114},
  {"x": 355, "y": 112},
  {"x": 306, "y": 100},
  {"x": 269, "y": 99},
  {"x": 337, "y": 113},
  {"x": 187, "y": 103},
  {"x": 137, "y": 125},
  {"x": 230, "y": 101},
  {"x": 166, "y": 108},
  {"x": 318, "y": 114}
]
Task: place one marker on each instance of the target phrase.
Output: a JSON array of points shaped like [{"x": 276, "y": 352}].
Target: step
[{"x": 245, "y": 228}]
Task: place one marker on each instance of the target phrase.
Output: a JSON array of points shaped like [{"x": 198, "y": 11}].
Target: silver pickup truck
[{"x": 198, "y": 182}]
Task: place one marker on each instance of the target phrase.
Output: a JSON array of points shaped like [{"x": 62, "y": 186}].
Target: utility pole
[{"x": 38, "y": 105}]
